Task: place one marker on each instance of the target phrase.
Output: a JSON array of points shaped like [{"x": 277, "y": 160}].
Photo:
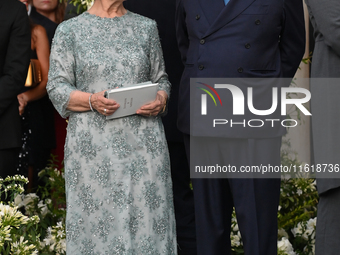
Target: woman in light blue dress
[{"x": 117, "y": 172}]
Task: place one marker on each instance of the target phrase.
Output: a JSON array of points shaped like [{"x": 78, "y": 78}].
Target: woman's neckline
[{"x": 107, "y": 18}]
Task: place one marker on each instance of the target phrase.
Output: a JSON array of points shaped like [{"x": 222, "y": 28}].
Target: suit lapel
[
  {"x": 211, "y": 9},
  {"x": 228, "y": 13}
]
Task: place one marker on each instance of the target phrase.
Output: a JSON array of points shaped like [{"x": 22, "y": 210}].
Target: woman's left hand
[{"x": 156, "y": 107}]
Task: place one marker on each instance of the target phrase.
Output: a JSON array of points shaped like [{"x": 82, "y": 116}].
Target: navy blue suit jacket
[{"x": 244, "y": 39}]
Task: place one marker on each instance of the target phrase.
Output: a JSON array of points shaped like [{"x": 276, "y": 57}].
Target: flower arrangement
[
  {"x": 34, "y": 223},
  {"x": 55, "y": 240},
  {"x": 17, "y": 231},
  {"x": 296, "y": 214},
  {"x": 296, "y": 219},
  {"x": 31, "y": 223}
]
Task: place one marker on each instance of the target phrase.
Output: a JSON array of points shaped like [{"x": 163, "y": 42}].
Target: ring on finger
[{"x": 105, "y": 110}]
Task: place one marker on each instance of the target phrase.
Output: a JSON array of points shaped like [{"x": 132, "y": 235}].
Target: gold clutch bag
[{"x": 34, "y": 74}]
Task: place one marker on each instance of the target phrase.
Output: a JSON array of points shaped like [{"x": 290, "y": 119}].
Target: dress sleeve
[
  {"x": 157, "y": 73},
  {"x": 61, "y": 77}
]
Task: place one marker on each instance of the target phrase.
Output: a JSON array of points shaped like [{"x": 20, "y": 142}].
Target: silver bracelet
[{"x": 90, "y": 102}]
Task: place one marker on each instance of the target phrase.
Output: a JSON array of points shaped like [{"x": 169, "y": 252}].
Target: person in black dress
[
  {"x": 33, "y": 108},
  {"x": 50, "y": 15}
]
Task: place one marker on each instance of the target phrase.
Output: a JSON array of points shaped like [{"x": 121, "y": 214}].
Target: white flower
[
  {"x": 235, "y": 240},
  {"x": 52, "y": 247},
  {"x": 5, "y": 234},
  {"x": 63, "y": 245},
  {"x": 22, "y": 248},
  {"x": 60, "y": 233},
  {"x": 305, "y": 229},
  {"x": 35, "y": 219},
  {"x": 30, "y": 197},
  {"x": 89, "y": 3},
  {"x": 59, "y": 225},
  {"x": 18, "y": 201},
  {"x": 49, "y": 230},
  {"x": 297, "y": 230},
  {"x": 46, "y": 242},
  {"x": 57, "y": 171},
  {"x": 235, "y": 228},
  {"x": 285, "y": 246},
  {"x": 43, "y": 208},
  {"x": 310, "y": 231}
]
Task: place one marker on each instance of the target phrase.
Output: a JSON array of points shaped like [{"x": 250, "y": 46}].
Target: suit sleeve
[
  {"x": 327, "y": 17},
  {"x": 181, "y": 30},
  {"x": 293, "y": 37},
  {"x": 16, "y": 64}
]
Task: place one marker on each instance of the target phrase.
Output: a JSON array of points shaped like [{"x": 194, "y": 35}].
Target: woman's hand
[
  {"x": 23, "y": 100},
  {"x": 103, "y": 105},
  {"x": 156, "y": 107}
]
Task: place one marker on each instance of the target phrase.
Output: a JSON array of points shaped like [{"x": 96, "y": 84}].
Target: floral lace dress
[{"x": 117, "y": 172}]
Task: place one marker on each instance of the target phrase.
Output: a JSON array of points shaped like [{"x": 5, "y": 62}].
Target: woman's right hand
[
  {"x": 103, "y": 105},
  {"x": 22, "y": 99}
]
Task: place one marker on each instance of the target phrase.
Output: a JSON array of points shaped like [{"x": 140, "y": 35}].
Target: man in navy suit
[{"x": 238, "y": 39}]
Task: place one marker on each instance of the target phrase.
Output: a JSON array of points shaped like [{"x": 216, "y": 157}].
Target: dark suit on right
[{"x": 325, "y": 106}]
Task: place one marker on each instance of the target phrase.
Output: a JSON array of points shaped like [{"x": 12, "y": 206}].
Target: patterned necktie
[{"x": 226, "y": 1}]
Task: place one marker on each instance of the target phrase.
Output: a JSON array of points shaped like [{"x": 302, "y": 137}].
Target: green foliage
[
  {"x": 12, "y": 185},
  {"x": 298, "y": 202},
  {"x": 308, "y": 59},
  {"x": 53, "y": 189},
  {"x": 296, "y": 219},
  {"x": 82, "y": 5}
]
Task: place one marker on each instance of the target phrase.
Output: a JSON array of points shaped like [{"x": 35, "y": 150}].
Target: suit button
[
  {"x": 240, "y": 70},
  {"x": 202, "y": 41},
  {"x": 247, "y": 46},
  {"x": 201, "y": 67},
  {"x": 257, "y": 22},
  {"x": 198, "y": 17}
]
